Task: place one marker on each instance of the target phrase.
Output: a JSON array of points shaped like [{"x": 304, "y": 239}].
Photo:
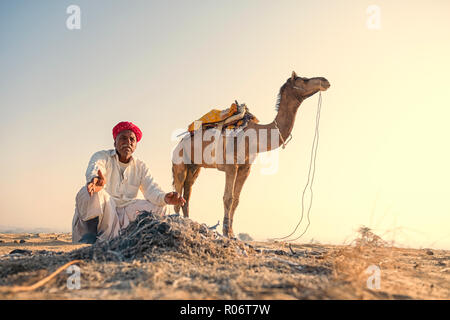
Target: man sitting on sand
[{"x": 108, "y": 202}]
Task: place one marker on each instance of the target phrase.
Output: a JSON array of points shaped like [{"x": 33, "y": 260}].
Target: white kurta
[{"x": 116, "y": 203}]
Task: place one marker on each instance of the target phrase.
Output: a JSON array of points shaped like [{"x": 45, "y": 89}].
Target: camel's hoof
[{"x": 229, "y": 234}]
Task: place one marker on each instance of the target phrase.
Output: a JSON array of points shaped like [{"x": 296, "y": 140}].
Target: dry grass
[
  {"x": 405, "y": 273},
  {"x": 176, "y": 258},
  {"x": 151, "y": 234}
]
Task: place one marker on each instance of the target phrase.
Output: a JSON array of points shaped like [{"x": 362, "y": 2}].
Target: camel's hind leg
[
  {"x": 192, "y": 174},
  {"x": 179, "y": 173}
]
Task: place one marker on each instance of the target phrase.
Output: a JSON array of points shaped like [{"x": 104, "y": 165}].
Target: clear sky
[{"x": 383, "y": 152}]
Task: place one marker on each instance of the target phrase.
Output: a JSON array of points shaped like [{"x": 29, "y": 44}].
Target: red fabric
[{"x": 124, "y": 125}]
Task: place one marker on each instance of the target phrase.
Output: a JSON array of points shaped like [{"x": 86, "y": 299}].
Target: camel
[{"x": 291, "y": 95}]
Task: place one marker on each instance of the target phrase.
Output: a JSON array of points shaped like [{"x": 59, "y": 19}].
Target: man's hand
[
  {"x": 96, "y": 184},
  {"x": 174, "y": 198}
]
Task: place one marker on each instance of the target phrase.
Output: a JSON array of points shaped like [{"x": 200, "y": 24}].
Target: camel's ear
[{"x": 294, "y": 76}]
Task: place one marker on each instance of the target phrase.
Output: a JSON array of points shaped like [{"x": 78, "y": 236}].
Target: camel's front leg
[
  {"x": 179, "y": 172},
  {"x": 230, "y": 178},
  {"x": 241, "y": 177},
  {"x": 191, "y": 176}
]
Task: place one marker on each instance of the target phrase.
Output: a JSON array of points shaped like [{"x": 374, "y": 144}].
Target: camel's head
[{"x": 304, "y": 88}]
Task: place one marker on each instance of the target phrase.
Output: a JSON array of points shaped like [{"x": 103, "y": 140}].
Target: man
[{"x": 108, "y": 202}]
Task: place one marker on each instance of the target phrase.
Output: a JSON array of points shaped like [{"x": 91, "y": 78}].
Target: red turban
[{"x": 124, "y": 125}]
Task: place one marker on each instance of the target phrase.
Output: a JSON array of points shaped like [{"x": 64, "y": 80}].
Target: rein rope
[
  {"x": 281, "y": 136},
  {"x": 311, "y": 173}
]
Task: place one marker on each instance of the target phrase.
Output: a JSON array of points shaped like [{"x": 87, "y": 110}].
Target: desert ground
[{"x": 163, "y": 258}]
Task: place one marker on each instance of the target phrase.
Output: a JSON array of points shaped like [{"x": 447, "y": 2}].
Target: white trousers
[{"x": 111, "y": 219}]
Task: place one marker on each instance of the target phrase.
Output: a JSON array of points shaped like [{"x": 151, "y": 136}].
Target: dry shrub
[
  {"x": 368, "y": 238},
  {"x": 351, "y": 262}
]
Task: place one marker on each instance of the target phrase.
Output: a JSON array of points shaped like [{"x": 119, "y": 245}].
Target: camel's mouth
[{"x": 324, "y": 85}]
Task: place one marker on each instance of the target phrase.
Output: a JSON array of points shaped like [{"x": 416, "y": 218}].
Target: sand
[{"x": 216, "y": 268}]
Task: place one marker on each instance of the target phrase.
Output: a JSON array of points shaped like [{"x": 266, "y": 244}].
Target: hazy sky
[{"x": 383, "y": 152}]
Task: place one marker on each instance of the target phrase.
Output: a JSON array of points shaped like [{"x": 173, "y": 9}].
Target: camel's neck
[{"x": 284, "y": 119}]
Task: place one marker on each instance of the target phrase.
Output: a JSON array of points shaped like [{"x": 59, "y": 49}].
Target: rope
[
  {"x": 312, "y": 167},
  {"x": 281, "y": 136},
  {"x": 40, "y": 283}
]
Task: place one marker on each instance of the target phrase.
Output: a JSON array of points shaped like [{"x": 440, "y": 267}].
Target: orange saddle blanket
[{"x": 236, "y": 116}]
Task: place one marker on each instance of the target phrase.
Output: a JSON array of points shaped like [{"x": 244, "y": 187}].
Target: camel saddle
[{"x": 235, "y": 117}]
